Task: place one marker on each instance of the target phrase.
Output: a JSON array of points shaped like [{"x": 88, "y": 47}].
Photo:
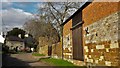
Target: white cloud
[
  {"x": 58, "y": 0},
  {"x": 14, "y": 17},
  {"x": 40, "y": 5},
  {"x": 6, "y": 4}
]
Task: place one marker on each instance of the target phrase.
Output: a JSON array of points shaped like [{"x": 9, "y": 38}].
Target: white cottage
[
  {"x": 14, "y": 42},
  {"x": 1, "y": 38}
]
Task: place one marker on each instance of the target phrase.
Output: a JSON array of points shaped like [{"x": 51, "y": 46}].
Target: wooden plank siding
[
  {"x": 77, "y": 43},
  {"x": 77, "y": 37}
]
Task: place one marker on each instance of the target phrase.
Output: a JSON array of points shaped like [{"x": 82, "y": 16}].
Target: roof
[
  {"x": 80, "y": 9},
  {"x": 14, "y": 38}
]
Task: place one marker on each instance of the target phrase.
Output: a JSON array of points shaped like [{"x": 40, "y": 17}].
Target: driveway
[{"x": 25, "y": 59}]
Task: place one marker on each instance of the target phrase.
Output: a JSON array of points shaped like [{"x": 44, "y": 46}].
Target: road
[{"x": 25, "y": 59}]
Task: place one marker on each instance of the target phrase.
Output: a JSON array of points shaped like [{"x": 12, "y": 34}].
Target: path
[{"x": 21, "y": 60}]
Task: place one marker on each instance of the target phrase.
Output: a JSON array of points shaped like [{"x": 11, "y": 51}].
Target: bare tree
[
  {"x": 57, "y": 12},
  {"x": 49, "y": 18},
  {"x": 38, "y": 28}
]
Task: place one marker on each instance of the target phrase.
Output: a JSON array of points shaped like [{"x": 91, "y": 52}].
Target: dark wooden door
[
  {"x": 49, "y": 50},
  {"x": 77, "y": 43}
]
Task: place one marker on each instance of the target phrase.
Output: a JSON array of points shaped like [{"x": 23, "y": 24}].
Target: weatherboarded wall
[{"x": 101, "y": 44}]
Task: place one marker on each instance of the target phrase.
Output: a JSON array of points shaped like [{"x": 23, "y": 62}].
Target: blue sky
[
  {"x": 27, "y": 7},
  {"x": 15, "y": 14},
  {"x": 31, "y": 7}
]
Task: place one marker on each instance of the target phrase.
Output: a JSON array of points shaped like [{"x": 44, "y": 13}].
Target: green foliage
[
  {"x": 5, "y": 49},
  {"x": 30, "y": 42},
  {"x": 15, "y": 32}
]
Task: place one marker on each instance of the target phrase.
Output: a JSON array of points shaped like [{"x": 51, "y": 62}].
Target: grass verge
[
  {"x": 60, "y": 63},
  {"x": 57, "y": 62}
]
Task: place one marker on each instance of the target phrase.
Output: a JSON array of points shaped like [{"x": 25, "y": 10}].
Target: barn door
[
  {"x": 77, "y": 43},
  {"x": 49, "y": 50}
]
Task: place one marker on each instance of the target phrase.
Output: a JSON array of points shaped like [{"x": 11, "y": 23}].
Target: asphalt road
[{"x": 25, "y": 60}]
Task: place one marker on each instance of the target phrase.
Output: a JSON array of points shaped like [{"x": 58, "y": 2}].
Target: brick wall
[
  {"x": 44, "y": 50},
  {"x": 97, "y": 10},
  {"x": 67, "y": 40},
  {"x": 57, "y": 50},
  {"x": 101, "y": 45},
  {"x": 43, "y": 46}
]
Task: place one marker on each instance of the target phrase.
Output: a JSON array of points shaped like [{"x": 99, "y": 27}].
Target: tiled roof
[{"x": 14, "y": 38}]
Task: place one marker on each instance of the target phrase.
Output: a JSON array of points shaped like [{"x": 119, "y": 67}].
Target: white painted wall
[{"x": 1, "y": 38}]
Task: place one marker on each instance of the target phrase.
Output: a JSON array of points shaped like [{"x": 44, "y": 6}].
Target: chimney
[
  {"x": 26, "y": 35},
  {"x": 1, "y": 33},
  {"x": 19, "y": 35}
]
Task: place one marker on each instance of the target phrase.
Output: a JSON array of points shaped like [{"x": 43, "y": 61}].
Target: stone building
[{"x": 91, "y": 34}]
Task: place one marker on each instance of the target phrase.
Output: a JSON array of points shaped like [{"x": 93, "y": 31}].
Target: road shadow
[{"x": 8, "y": 61}]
